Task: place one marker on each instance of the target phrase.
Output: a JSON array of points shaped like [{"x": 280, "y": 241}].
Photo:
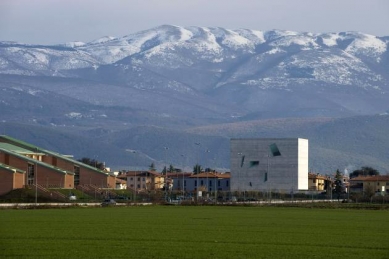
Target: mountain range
[{"x": 123, "y": 99}]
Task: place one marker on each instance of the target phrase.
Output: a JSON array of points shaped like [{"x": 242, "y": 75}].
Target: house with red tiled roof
[
  {"x": 316, "y": 182},
  {"x": 376, "y": 183}
]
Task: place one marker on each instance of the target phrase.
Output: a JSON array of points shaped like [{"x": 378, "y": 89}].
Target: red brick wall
[
  {"x": 17, "y": 162},
  {"x": 88, "y": 176},
  {"x": 50, "y": 178},
  {"x": 58, "y": 162},
  {"x": 47, "y": 177},
  {"x": 6, "y": 183},
  {"x": 111, "y": 181}
]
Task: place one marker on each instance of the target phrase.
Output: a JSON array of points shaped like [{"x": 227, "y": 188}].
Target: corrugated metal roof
[
  {"x": 34, "y": 161},
  {"x": 19, "y": 150},
  {"x": 371, "y": 178},
  {"x": 38, "y": 150}
]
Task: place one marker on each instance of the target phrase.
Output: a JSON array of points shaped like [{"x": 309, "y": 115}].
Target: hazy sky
[{"x": 59, "y": 21}]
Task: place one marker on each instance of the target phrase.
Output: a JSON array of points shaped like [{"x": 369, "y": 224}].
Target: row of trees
[
  {"x": 364, "y": 171},
  {"x": 171, "y": 169},
  {"x": 92, "y": 162}
]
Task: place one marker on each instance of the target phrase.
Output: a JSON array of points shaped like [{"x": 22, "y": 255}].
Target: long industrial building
[{"x": 264, "y": 164}]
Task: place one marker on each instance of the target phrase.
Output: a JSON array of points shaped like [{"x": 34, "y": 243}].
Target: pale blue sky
[{"x": 59, "y": 21}]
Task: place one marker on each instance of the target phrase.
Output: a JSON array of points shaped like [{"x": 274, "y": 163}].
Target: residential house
[
  {"x": 377, "y": 184},
  {"x": 316, "y": 182},
  {"x": 143, "y": 180},
  {"x": 206, "y": 181},
  {"x": 121, "y": 184}
]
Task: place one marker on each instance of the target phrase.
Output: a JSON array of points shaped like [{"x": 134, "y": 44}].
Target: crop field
[{"x": 194, "y": 232}]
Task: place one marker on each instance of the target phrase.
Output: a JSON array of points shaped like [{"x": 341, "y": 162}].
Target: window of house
[
  {"x": 210, "y": 182},
  {"x": 138, "y": 179},
  {"x": 184, "y": 182},
  {"x": 131, "y": 179},
  {"x": 314, "y": 180},
  {"x": 201, "y": 182},
  {"x": 195, "y": 182},
  {"x": 227, "y": 183},
  {"x": 143, "y": 179},
  {"x": 265, "y": 178},
  {"x": 138, "y": 186},
  {"x": 218, "y": 183}
]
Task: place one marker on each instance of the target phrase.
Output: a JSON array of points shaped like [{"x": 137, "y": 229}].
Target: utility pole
[
  {"x": 183, "y": 177},
  {"x": 36, "y": 184},
  {"x": 197, "y": 169},
  {"x": 166, "y": 186}
]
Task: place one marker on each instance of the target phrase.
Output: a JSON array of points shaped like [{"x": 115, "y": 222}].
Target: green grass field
[{"x": 194, "y": 232}]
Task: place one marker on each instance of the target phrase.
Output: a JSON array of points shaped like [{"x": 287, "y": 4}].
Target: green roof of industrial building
[
  {"x": 34, "y": 161},
  {"x": 41, "y": 151},
  {"x": 17, "y": 149}
]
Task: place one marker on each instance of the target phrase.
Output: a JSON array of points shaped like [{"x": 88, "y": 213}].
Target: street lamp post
[
  {"x": 166, "y": 186},
  {"x": 207, "y": 151},
  {"x": 241, "y": 155},
  {"x": 198, "y": 171},
  {"x": 134, "y": 152},
  {"x": 36, "y": 183},
  {"x": 183, "y": 175},
  {"x": 136, "y": 183}
]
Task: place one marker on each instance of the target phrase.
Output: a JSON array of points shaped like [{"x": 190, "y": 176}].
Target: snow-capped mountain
[
  {"x": 157, "y": 87},
  {"x": 322, "y": 74},
  {"x": 175, "y": 47}
]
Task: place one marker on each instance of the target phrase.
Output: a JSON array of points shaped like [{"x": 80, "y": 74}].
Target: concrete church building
[{"x": 264, "y": 164}]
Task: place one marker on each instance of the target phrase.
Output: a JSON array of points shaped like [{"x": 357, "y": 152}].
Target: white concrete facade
[{"x": 263, "y": 164}]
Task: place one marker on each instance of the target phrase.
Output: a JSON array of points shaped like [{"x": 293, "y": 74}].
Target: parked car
[
  {"x": 108, "y": 202},
  {"x": 72, "y": 198}
]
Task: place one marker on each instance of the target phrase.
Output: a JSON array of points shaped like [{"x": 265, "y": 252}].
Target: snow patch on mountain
[
  {"x": 256, "y": 37},
  {"x": 330, "y": 39},
  {"x": 102, "y": 40},
  {"x": 302, "y": 40},
  {"x": 185, "y": 34},
  {"x": 73, "y": 44},
  {"x": 367, "y": 45}
]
